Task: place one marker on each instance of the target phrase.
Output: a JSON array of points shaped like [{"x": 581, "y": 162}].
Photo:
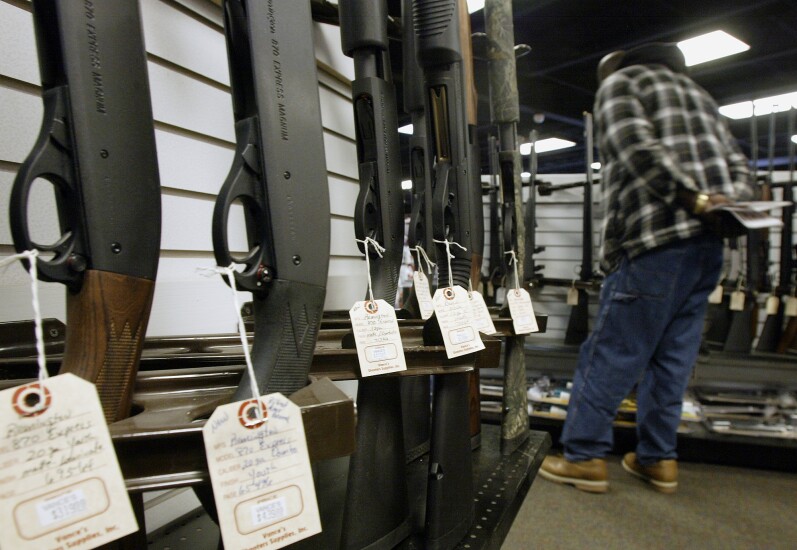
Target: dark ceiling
[{"x": 569, "y": 37}]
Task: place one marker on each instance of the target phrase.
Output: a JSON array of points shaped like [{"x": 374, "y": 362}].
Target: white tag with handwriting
[
  {"x": 260, "y": 472},
  {"x": 481, "y": 315},
  {"x": 772, "y": 305},
  {"x": 572, "y": 296},
  {"x": 60, "y": 481},
  {"x": 523, "y": 319},
  {"x": 455, "y": 316},
  {"x": 716, "y": 295},
  {"x": 737, "y": 301},
  {"x": 790, "y": 307},
  {"x": 423, "y": 294},
  {"x": 377, "y": 336}
]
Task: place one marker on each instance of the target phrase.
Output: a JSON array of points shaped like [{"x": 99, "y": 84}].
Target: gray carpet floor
[{"x": 715, "y": 507}]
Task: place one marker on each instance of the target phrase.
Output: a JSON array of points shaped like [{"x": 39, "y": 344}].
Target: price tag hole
[{"x": 32, "y": 399}]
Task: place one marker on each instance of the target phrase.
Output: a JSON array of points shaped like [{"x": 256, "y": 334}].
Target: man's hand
[{"x": 704, "y": 207}]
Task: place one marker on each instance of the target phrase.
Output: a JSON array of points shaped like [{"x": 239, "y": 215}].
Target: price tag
[
  {"x": 572, "y": 296},
  {"x": 60, "y": 482},
  {"x": 481, "y": 315},
  {"x": 377, "y": 336},
  {"x": 772, "y": 304},
  {"x": 523, "y": 319},
  {"x": 737, "y": 301},
  {"x": 260, "y": 472},
  {"x": 790, "y": 307},
  {"x": 455, "y": 315},
  {"x": 423, "y": 294},
  {"x": 716, "y": 295}
]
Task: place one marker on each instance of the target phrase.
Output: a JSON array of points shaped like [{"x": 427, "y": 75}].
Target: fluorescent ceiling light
[
  {"x": 763, "y": 106},
  {"x": 406, "y": 129},
  {"x": 475, "y": 5},
  {"x": 525, "y": 175},
  {"x": 546, "y": 145},
  {"x": 794, "y": 139},
  {"x": 406, "y": 185},
  {"x": 708, "y": 47},
  {"x": 595, "y": 165}
]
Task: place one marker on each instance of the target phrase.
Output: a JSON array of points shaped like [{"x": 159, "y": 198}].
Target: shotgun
[
  {"x": 438, "y": 33},
  {"x": 377, "y": 482},
  {"x": 278, "y": 175},
  {"x": 96, "y": 147},
  {"x": 530, "y": 269},
  {"x": 578, "y": 324},
  {"x": 505, "y": 113}
]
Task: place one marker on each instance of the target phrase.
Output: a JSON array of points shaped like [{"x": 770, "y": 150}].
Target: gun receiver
[
  {"x": 96, "y": 133},
  {"x": 279, "y": 177},
  {"x": 377, "y": 482},
  {"x": 530, "y": 218}
]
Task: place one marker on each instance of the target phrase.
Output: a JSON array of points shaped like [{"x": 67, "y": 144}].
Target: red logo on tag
[
  {"x": 31, "y": 400},
  {"x": 252, "y": 416}
]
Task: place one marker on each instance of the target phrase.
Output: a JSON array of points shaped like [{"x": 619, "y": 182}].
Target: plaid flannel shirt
[{"x": 658, "y": 132}]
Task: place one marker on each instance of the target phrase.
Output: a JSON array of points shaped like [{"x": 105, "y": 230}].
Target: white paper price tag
[
  {"x": 377, "y": 336},
  {"x": 790, "y": 307},
  {"x": 523, "y": 319},
  {"x": 481, "y": 315},
  {"x": 772, "y": 305},
  {"x": 572, "y": 296},
  {"x": 260, "y": 472},
  {"x": 455, "y": 315},
  {"x": 716, "y": 295},
  {"x": 737, "y": 301},
  {"x": 60, "y": 483},
  {"x": 423, "y": 294}
]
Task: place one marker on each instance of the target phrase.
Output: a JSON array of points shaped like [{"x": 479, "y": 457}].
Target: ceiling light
[
  {"x": 526, "y": 176},
  {"x": 794, "y": 139},
  {"x": 763, "y": 106},
  {"x": 406, "y": 129},
  {"x": 475, "y": 5},
  {"x": 546, "y": 145},
  {"x": 595, "y": 165},
  {"x": 708, "y": 47},
  {"x": 406, "y": 185}
]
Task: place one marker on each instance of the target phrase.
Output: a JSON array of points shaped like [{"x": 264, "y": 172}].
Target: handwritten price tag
[
  {"x": 260, "y": 472},
  {"x": 423, "y": 294},
  {"x": 455, "y": 315},
  {"x": 377, "y": 336},
  {"x": 60, "y": 482},
  {"x": 523, "y": 319},
  {"x": 481, "y": 315}
]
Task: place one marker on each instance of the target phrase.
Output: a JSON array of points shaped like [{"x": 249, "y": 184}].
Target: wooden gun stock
[{"x": 106, "y": 325}]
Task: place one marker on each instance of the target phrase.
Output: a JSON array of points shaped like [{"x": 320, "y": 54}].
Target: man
[{"x": 668, "y": 157}]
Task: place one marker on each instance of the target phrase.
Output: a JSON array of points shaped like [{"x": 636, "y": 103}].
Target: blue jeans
[{"x": 647, "y": 330}]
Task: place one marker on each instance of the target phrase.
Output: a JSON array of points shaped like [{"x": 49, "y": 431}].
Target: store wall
[{"x": 189, "y": 82}]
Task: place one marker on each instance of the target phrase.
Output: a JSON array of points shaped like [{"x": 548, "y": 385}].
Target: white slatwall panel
[{"x": 189, "y": 82}]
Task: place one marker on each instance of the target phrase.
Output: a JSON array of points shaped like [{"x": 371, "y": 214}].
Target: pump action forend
[
  {"x": 377, "y": 482},
  {"x": 279, "y": 177},
  {"x": 97, "y": 149}
]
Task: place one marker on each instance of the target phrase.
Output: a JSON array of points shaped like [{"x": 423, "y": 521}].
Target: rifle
[
  {"x": 377, "y": 483},
  {"x": 578, "y": 324},
  {"x": 278, "y": 174},
  {"x": 530, "y": 218},
  {"x": 96, "y": 147},
  {"x": 505, "y": 113},
  {"x": 786, "y": 284},
  {"x": 437, "y": 27},
  {"x": 773, "y": 325}
]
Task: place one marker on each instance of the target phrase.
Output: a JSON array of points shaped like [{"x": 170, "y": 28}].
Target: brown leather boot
[
  {"x": 587, "y": 475},
  {"x": 663, "y": 475}
]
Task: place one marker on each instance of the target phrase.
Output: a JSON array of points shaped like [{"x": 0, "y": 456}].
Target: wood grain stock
[{"x": 106, "y": 324}]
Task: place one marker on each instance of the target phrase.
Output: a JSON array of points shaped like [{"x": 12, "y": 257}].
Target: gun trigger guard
[
  {"x": 243, "y": 184},
  {"x": 367, "y": 221},
  {"x": 51, "y": 160}
]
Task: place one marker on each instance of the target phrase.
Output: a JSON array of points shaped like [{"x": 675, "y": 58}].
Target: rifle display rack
[{"x": 182, "y": 379}]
